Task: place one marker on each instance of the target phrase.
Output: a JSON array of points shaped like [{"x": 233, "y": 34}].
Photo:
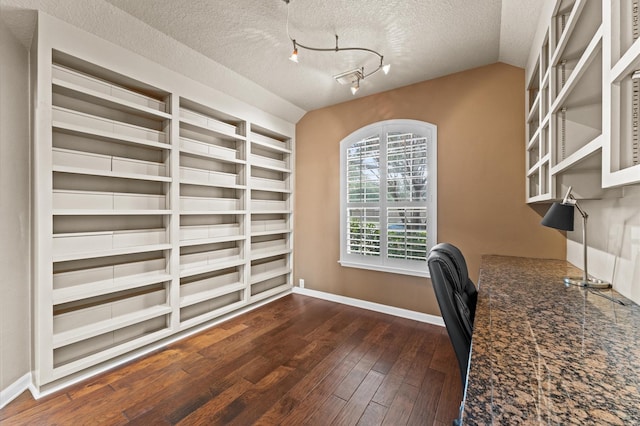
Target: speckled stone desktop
[{"x": 544, "y": 353}]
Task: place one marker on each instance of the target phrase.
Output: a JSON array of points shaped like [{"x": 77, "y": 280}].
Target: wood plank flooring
[{"x": 295, "y": 361}]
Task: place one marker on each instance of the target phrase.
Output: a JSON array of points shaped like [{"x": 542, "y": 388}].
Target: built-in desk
[{"x": 546, "y": 353}]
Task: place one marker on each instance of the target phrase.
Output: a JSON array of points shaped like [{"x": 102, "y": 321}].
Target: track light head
[
  {"x": 355, "y": 87},
  {"x": 294, "y": 53}
]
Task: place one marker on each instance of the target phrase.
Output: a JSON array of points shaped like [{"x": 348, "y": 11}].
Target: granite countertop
[{"x": 543, "y": 353}]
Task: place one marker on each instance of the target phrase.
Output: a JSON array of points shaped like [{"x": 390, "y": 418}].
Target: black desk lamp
[{"x": 560, "y": 216}]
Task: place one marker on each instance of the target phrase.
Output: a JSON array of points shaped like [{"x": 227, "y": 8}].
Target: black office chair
[{"x": 457, "y": 297}]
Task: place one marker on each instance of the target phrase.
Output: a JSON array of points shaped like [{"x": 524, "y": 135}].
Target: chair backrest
[{"x": 457, "y": 297}]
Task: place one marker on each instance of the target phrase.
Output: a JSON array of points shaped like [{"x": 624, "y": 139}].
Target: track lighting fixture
[{"x": 350, "y": 77}]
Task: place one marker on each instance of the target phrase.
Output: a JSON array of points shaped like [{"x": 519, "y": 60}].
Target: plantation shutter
[
  {"x": 363, "y": 183},
  {"x": 407, "y": 194},
  {"x": 387, "y": 204}
]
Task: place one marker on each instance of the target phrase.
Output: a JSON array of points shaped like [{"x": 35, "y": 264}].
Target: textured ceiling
[{"x": 421, "y": 39}]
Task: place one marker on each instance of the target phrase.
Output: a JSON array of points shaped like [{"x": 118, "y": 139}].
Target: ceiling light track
[{"x": 349, "y": 77}]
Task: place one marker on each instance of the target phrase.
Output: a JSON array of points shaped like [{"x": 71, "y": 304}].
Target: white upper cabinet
[
  {"x": 621, "y": 153},
  {"x": 582, "y": 100}
]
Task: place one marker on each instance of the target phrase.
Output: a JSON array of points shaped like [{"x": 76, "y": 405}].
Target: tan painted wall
[{"x": 481, "y": 207}]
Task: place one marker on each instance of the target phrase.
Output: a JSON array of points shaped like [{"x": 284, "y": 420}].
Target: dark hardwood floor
[{"x": 295, "y": 361}]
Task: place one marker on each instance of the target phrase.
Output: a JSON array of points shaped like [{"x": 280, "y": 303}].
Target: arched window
[{"x": 388, "y": 197}]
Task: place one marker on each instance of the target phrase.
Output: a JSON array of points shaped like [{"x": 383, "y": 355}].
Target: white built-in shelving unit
[
  {"x": 565, "y": 117},
  {"x": 582, "y": 105},
  {"x": 621, "y": 154},
  {"x": 159, "y": 206}
]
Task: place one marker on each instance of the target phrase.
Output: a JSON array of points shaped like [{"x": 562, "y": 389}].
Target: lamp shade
[{"x": 559, "y": 216}]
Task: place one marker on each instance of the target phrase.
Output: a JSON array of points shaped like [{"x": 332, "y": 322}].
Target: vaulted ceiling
[{"x": 421, "y": 39}]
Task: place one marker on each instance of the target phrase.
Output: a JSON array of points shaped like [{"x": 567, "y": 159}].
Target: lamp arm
[{"x": 575, "y": 203}]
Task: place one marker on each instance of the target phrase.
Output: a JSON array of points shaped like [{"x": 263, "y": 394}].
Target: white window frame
[{"x": 382, "y": 263}]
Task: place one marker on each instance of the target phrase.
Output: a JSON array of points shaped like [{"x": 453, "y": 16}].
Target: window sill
[{"x": 389, "y": 269}]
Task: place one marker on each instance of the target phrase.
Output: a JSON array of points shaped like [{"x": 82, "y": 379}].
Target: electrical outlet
[{"x": 301, "y": 283}]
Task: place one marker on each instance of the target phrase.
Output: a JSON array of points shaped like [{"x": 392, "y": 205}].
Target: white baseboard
[
  {"x": 15, "y": 389},
  {"x": 377, "y": 307}
]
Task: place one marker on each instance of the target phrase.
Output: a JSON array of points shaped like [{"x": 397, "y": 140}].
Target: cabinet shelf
[
  {"x": 272, "y": 232},
  {"x": 218, "y": 266},
  {"x": 94, "y": 124},
  {"x": 68, "y": 368},
  {"x": 590, "y": 54},
  {"x": 287, "y": 211},
  {"x": 188, "y": 147},
  {"x": 264, "y": 276},
  {"x": 202, "y": 318},
  {"x": 211, "y": 184},
  {"x": 585, "y": 18},
  {"x": 64, "y": 257},
  {"x": 262, "y": 188},
  {"x": 97, "y": 98},
  {"x": 122, "y": 175},
  {"x": 99, "y": 89},
  {"x": 89, "y": 163},
  {"x": 268, "y": 293},
  {"x": 210, "y": 294},
  {"x": 579, "y": 156},
  {"x": 533, "y": 112},
  {"x": 210, "y": 212},
  {"x": 106, "y": 136},
  {"x": 98, "y": 212},
  {"x": 265, "y": 253},
  {"x": 267, "y": 164},
  {"x": 218, "y": 128},
  {"x": 270, "y": 143},
  {"x": 113, "y": 285},
  {"x": 91, "y": 330},
  {"x": 534, "y": 169},
  {"x": 628, "y": 63},
  {"x": 211, "y": 240},
  {"x": 98, "y": 201}
]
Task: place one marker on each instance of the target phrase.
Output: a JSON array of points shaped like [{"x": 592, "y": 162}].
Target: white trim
[
  {"x": 56, "y": 386},
  {"x": 14, "y": 390},
  {"x": 386, "y": 268},
  {"x": 377, "y": 307},
  {"x": 383, "y": 262}
]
